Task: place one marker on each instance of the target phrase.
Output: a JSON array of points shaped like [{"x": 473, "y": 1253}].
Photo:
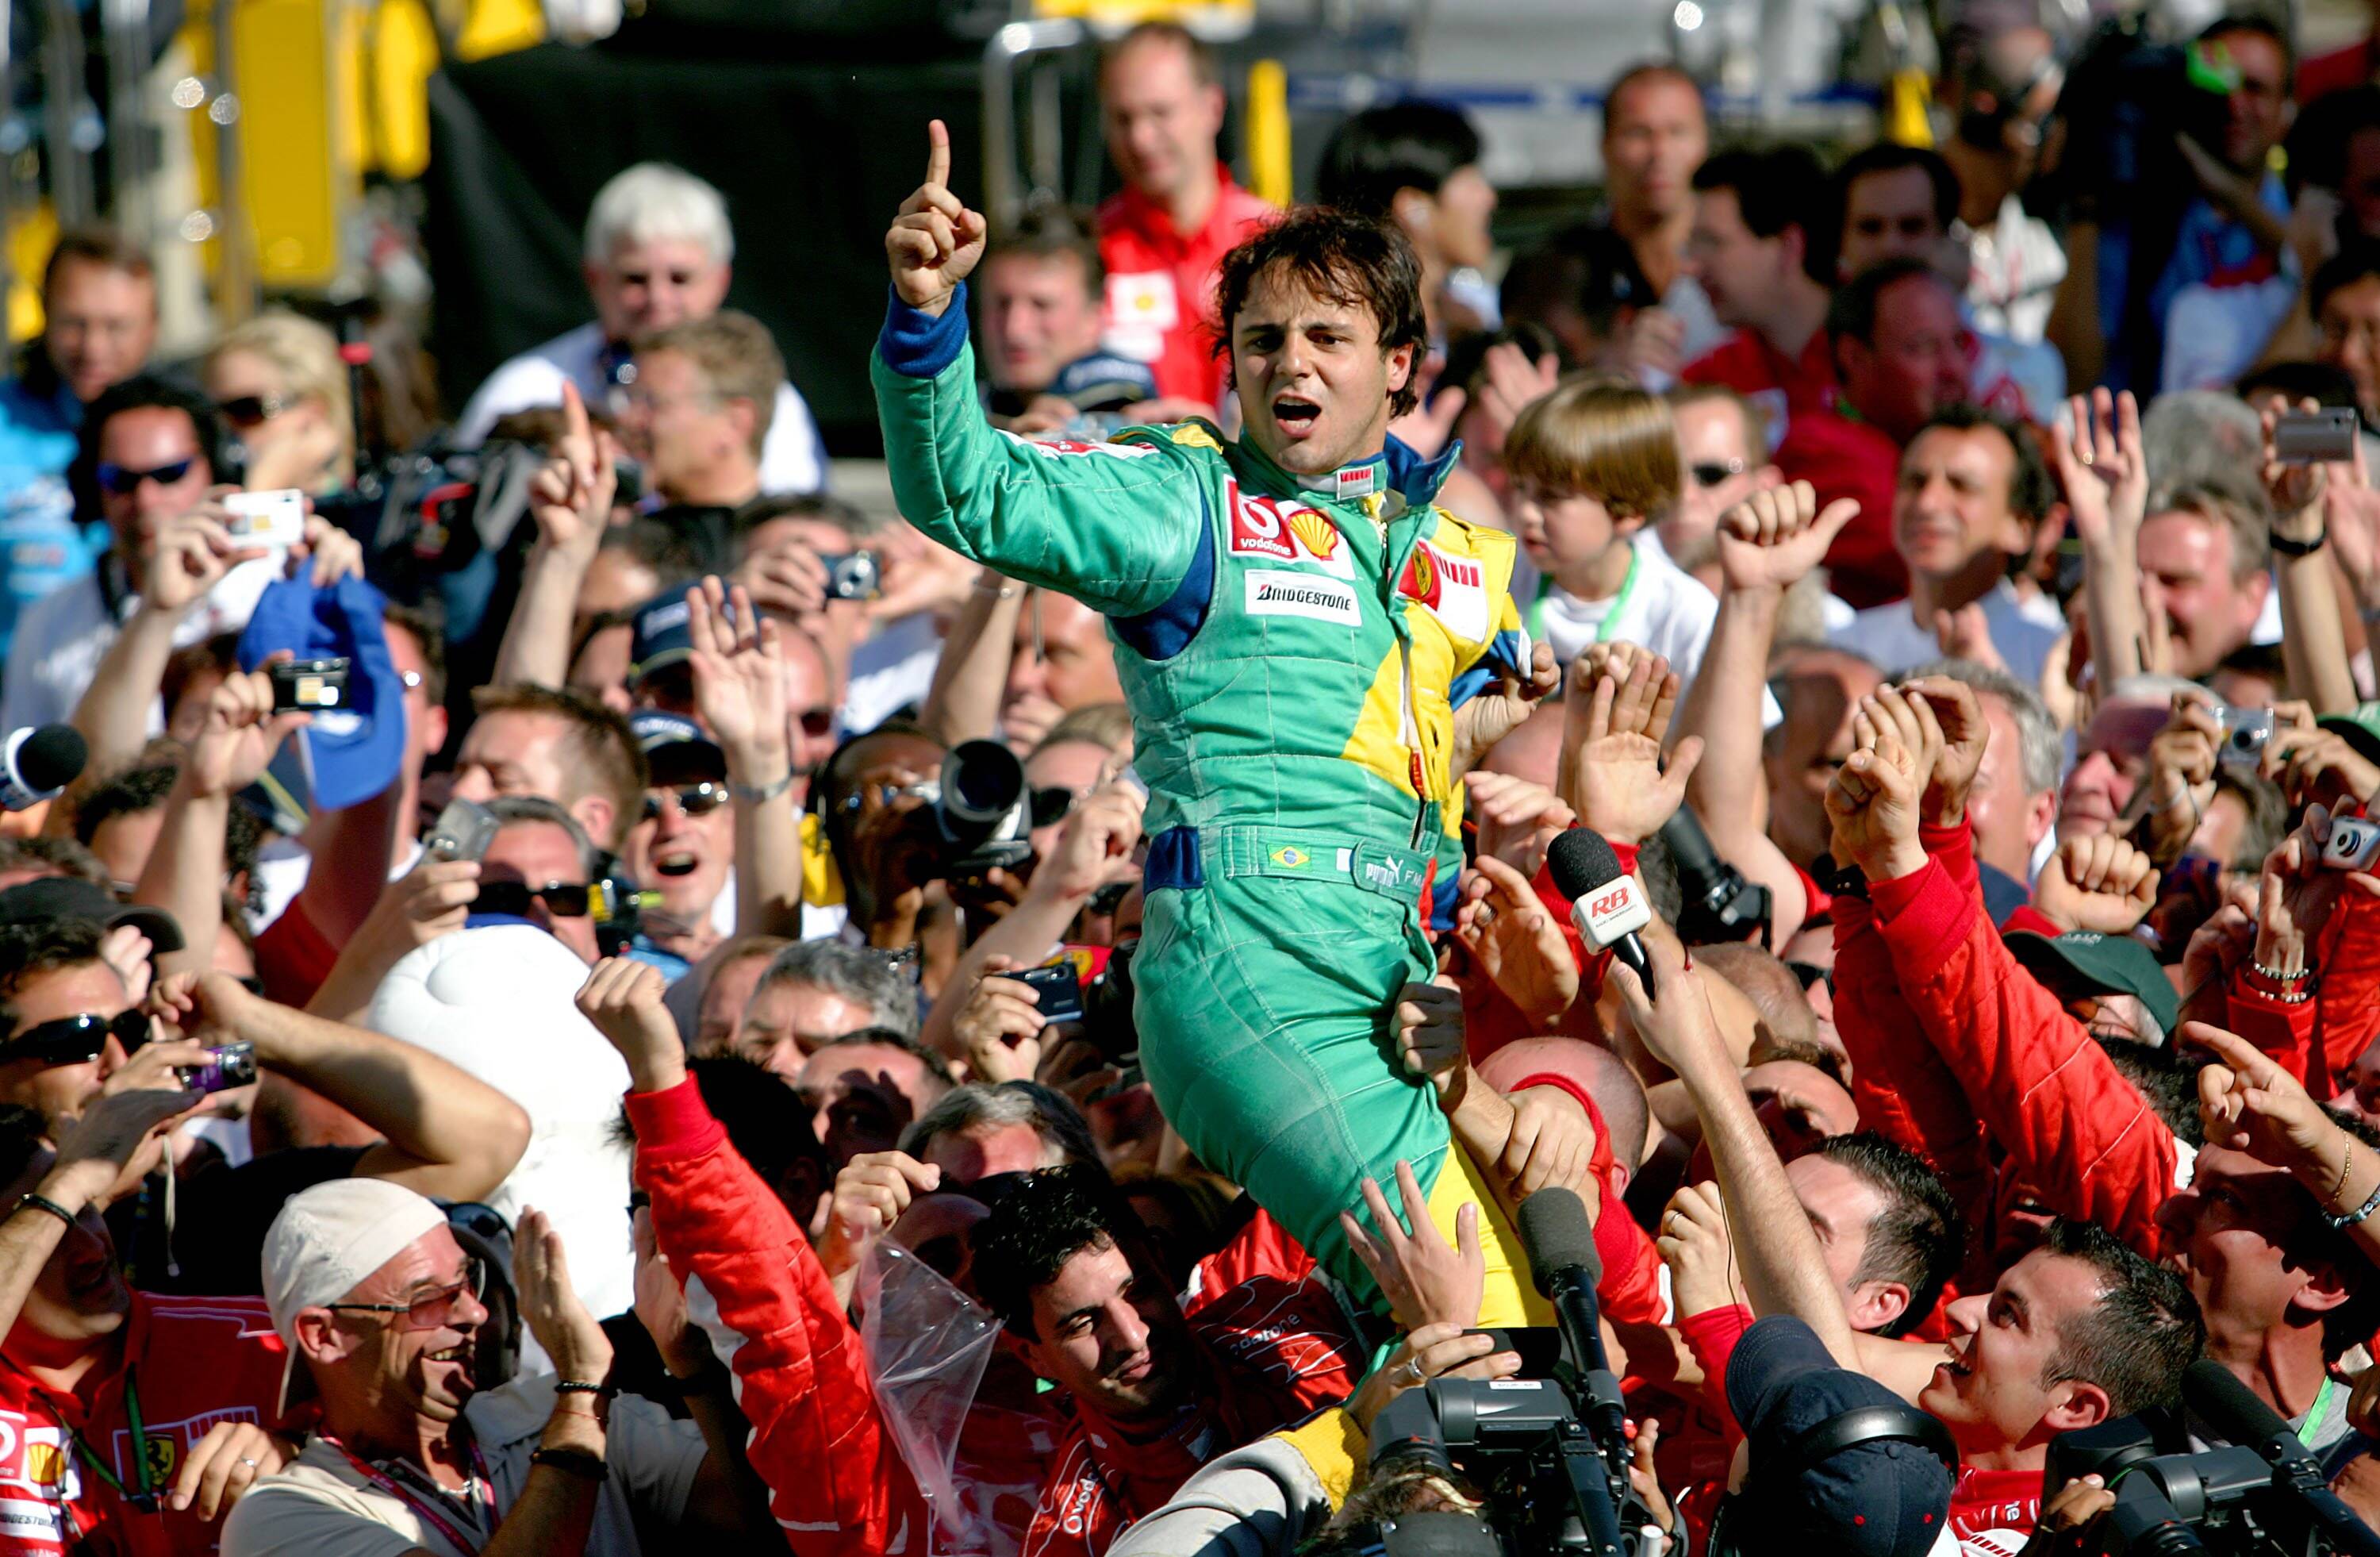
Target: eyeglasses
[
  {"x": 695, "y": 800},
  {"x": 429, "y": 1310},
  {"x": 251, "y": 411},
  {"x": 565, "y": 900},
  {"x": 124, "y": 483},
  {"x": 76, "y": 1040},
  {"x": 1714, "y": 472}
]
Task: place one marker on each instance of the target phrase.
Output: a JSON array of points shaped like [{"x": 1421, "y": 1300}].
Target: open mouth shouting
[
  {"x": 676, "y": 862},
  {"x": 1295, "y": 415}
]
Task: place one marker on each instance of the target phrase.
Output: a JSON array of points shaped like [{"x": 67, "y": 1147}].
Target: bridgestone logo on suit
[{"x": 1273, "y": 593}]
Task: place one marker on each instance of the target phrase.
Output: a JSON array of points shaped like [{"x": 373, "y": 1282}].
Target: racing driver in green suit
[{"x": 1311, "y": 649}]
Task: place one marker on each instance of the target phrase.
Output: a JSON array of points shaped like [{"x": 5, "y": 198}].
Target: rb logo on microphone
[{"x": 1610, "y": 903}]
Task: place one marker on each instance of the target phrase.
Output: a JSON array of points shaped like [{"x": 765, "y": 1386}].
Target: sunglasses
[
  {"x": 78, "y": 1039},
  {"x": 695, "y": 800},
  {"x": 250, "y": 410},
  {"x": 427, "y": 1310},
  {"x": 1715, "y": 472},
  {"x": 567, "y": 900},
  {"x": 124, "y": 483}
]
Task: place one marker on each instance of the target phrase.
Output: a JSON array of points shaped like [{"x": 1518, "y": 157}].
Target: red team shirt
[
  {"x": 1161, "y": 293},
  {"x": 191, "y": 1362}
]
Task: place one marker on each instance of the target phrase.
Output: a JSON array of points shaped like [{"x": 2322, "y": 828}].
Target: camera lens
[{"x": 982, "y": 782}]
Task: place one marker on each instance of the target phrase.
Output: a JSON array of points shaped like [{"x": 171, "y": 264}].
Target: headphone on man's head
[{"x": 1896, "y": 1422}]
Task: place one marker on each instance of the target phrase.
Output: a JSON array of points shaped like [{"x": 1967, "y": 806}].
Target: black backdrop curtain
[{"x": 814, "y": 155}]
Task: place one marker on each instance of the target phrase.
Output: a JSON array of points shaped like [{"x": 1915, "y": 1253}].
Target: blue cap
[
  {"x": 1887, "y": 1497},
  {"x": 355, "y": 752},
  {"x": 661, "y": 636},
  {"x": 657, "y": 732}
]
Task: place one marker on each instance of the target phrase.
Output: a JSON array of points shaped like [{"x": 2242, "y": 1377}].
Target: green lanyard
[
  {"x": 147, "y": 1497},
  {"x": 2314, "y": 1416},
  {"x": 1604, "y": 629}
]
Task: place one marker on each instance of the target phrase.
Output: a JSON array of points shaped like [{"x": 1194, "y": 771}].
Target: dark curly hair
[
  {"x": 1041, "y": 1222},
  {"x": 1351, "y": 259}
]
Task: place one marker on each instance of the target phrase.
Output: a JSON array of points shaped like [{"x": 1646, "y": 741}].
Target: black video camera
[{"x": 1720, "y": 904}]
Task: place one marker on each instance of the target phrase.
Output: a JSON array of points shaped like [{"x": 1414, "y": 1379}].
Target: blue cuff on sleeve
[{"x": 917, "y": 344}]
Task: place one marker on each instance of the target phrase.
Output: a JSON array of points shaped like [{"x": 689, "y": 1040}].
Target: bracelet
[
  {"x": 573, "y": 1462},
  {"x": 2361, "y": 1214},
  {"x": 2274, "y": 976},
  {"x": 2346, "y": 1160},
  {"x": 575, "y": 1386},
  {"x": 757, "y": 794},
  {"x": 2284, "y": 546},
  {"x": 43, "y": 1203}
]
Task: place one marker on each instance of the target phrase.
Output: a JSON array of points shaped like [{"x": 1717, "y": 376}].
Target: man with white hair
[
  {"x": 379, "y": 1308},
  {"x": 657, "y": 254}
]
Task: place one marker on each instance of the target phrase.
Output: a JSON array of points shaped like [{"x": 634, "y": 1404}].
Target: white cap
[{"x": 329, "y": 1239}]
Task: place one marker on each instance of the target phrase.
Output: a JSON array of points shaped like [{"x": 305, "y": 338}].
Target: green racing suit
[{"x": 1294, "y": 649}]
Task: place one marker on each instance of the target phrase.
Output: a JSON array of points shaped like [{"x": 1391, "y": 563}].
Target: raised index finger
[{"x": 938, "y": 154}]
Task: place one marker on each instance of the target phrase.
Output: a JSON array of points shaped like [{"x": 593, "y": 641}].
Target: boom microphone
[
  {"x": 2232, "y": 1408},
  {"x": 1560, "y": 1241},
  {"x": 1606, "y": 903},
  {"x": 38, "y": 762}
]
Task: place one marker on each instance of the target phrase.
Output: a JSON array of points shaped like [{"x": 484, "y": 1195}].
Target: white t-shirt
[
  {"x": 1661, "y": 607},
  {"x": 63, "y": 636},
  {"x": 322, "y": 1506},
  {"x": 2023, "y": 631},
  {"x": 2014, "y": 266},
  {"x": 792, "y": 460}
]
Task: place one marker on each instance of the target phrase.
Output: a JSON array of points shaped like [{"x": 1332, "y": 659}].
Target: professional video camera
[
  {"x": 2261, "y": 1493},
  {"x": 1552, "y": 1454}
]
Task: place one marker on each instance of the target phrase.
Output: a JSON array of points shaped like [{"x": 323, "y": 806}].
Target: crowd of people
[{"x": 1027, "y": 1025}]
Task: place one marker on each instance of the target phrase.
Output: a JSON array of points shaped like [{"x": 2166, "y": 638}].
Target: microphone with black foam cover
[
  {"x": 2220, "y": 1399},
  {"x": 1559, "y": 1238},
  {"x": 1607, "y": 905},
  {"x": 38, "y": 762}
]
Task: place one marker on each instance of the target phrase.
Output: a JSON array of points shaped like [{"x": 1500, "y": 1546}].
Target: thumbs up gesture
[{"x": 935, "y": 242}]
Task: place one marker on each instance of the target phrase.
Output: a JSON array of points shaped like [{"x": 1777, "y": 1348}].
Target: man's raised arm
[{"x": 1117, "y": 525}]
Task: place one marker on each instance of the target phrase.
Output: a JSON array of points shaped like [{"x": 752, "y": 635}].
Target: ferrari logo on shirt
[{"x": 1452, "y": 589}]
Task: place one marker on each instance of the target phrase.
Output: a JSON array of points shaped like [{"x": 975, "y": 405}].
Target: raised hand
[
  {"x": 1873, "y": 803},
  {"x": 1515, "y": 942},
  {"x": 1620, "y": 786},
  {"x": 870, "y": 1193},
  {"x": 1773, "y": 538},
  {"x": 1695, "y": 1243},
  {"x": 1965, "y": 735},
  {"x": 223, "y": 1465},
  {"x": 240, "y": 736},
  {"x": 1425, "y": 1281},
  {"x": 1001, "y": 1026},
  {"x": 2351, "y": 510},
  {"x": 2098, "y": 882},
  {"x": 1518, "y": 820},
  {"x": 2102, "y": 467},
  {"x": 189, "y": 556},
  {"x": 2249, "y": 1103},
  {"x": 550, "y": 1306},
  {"x": 2293, "y": 488},
  {"x": 936, "y": 241},
  {"x": 1965, "y": 634},
  {"x": 1513, "y": 380},
  {"x": 1095, "y": 845},
  {"x": 570, "y": 497},
  {"x": 623, "y": 1000},
  {"x": 2318, "y": 765},
  {"x": 1500, "y": 708},
  {"x": 738, "y": 659}
]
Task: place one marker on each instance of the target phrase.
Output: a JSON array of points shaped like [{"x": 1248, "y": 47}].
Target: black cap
[
  {"x": 71, "y": 897},
  {"x": 1876, "y": 1497}
]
